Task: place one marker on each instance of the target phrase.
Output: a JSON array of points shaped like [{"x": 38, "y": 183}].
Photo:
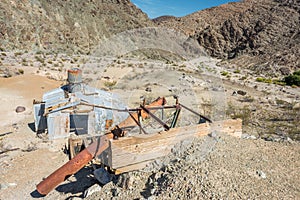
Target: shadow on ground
[{"x": 84, "y": 180}]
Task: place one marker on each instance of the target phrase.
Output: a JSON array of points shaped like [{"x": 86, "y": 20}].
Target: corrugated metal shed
[{"x": 63, "y": 111}]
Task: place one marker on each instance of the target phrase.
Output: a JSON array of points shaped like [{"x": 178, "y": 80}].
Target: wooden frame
[{"x": 134, "y": 153}]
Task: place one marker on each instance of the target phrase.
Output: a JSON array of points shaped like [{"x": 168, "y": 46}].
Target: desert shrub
[
  {"x": 293, "y": 79},
  {"x": 39, "y": 59},
  {"x": 279, "y": 82},
  {"x": 297, "y": 73},
  {"x": 237, "y": 71},
  {"x": 224, "y": 73},
  {"x": 264, "y": 80},
  {"x": 18, "y": 53},
  {"x": 21, "y": 71},
  {"x": 260, "y": 79},
  {"x": 243, "y": 78},
  {"x": 110, "y": 84}
]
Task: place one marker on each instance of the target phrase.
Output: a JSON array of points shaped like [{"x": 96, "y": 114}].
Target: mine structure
[
  {"x": 73, "y": 108},
  {"x": 109, "y": 132}
]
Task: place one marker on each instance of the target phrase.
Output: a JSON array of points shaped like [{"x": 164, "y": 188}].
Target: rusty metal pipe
[
  {"x": 156, "y": 118},
  {"x": 194, "y": 112},
  {"x": 74, "y": 165},
  {"x": 64, "y": 172}
]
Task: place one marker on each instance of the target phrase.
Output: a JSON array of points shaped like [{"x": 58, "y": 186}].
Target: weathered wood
[
  {"x": 131, "y": 153},
  {"x": 75, "y": 146},
  {"x": 132, "y": 167}
]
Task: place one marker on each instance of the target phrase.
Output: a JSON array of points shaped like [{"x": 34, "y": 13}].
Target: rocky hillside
[
  {"x": 263, "y": 35},
  {"x": 72, "y": 25}
]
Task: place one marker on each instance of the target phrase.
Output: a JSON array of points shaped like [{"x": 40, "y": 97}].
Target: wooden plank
[
  {"x": 132, "y": 167},
  {"x": 133, "y": 151}
]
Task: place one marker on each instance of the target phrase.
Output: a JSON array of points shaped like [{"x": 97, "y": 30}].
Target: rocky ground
[{"x": 216, "y": 166}]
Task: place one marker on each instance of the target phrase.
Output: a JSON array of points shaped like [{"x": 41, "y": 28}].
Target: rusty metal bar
[
  {"x": 127, "y": 110},
  {"x": 74, "y": 165},
  {"x": 156, "y": 118},
  {"x": 176, "y": 115},
  {"x": 104, "y": 107},
  {"x": 161, "y": 107},
  {"x": 138, "y": 123},
  {"x": 194, "y": 112}
]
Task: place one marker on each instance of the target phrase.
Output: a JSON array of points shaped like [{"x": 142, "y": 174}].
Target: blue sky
[{"x": 178, "y": 8}]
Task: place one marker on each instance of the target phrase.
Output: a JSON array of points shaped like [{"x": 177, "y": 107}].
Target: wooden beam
[
  {"x": 131, "y": 153},
  {"x": 133, "y": 167}
]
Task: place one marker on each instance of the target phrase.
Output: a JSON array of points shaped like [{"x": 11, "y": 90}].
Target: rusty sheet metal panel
[{"x": 58, "y": 125}]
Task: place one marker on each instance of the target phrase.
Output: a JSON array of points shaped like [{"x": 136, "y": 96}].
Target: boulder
[
  {"x": 241, "y": 92},
  {"x": 102, "y": 176},
  {"x": 20, "y": 109},
  {"x": 91, "y": 190}
]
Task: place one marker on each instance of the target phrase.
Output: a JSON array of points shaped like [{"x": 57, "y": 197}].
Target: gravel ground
[{"x": 219, "y": 167}]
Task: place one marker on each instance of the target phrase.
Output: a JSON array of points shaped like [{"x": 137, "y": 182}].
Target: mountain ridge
[
  {"x": 261, "y": 35},
  {"x": 265, "y": 32}
]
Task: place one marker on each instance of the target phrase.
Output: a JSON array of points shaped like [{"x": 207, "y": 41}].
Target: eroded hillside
[
  {"x": 261, "y": 35},
  {"x": 71, "y": 25}
]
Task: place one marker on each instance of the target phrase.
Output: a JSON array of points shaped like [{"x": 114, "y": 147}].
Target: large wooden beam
[{"x": 133, "y": 153}]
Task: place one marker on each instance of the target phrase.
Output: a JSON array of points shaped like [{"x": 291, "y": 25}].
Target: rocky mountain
[
  {"x": 71, "y": 25},
  {"x": 263, "y": 35}
]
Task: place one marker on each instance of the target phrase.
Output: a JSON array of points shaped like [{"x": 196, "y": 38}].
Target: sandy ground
[
  {"x": 20, "y": 169},
  {"x": 21, "y": 91}
]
